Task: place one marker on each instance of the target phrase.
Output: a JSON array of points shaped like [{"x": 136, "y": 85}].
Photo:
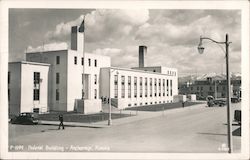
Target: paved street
[{"x": 193, "y": 129}]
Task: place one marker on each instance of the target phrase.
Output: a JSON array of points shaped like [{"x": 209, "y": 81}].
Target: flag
[{"x": 81, "y": 29}]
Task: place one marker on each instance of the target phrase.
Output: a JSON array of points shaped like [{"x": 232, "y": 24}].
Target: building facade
[
  {"x": 211, "y": 87},
  {"x": 131, "y": 87},
  {"x": 28, "y": 87},
  {"x": 76, "y": 81}
]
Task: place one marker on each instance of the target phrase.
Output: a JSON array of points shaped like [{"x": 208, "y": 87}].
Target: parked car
[
  {"x": 237, "y": 116},
  {"x": 25, "y": 118},
  {"x": 235, "y": 99},
  {"x": 220, "y": 102}
]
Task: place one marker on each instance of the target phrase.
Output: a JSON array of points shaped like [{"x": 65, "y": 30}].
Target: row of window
[
  {"x": 164, "y": 86},
  {"x": 210, "y": 88},
  {"x": 75, "y": 61}
]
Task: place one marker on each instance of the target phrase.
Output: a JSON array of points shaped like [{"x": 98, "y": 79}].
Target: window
[
  {"x": 36, "y": 77},
  {"x": 57, "y": 78},
  {"x": 163, "y": 83},
  {"x": 171, "y": 89},
  {"x": 198, "y": 88},
  {"x": 95, "y": 79},
  {"x": 140, "y": 86},
  {"x": 167, "y": 88},
  {"x": 57, "y": 59},
  {"x": 82, "y": 61},
  {"x": 210, "y": 88},
  {"x": 95, "y": 63},
  {"x": 8, "y": 94},
  {"x": 95, "y": 94},
  {"x": 224, "y": 88},
  {"x": 57, "y": 94},
  {"x": 135, "y": 87},
  {"x": 82, "y": 78},
  {"x": 146, "y": 87},
  {"x": 150, "y": 87},
  {"x": 89, "y": 61},
  {"x": 75, "y": 60},
  {"x": 8, "y": 77},
  {"x": 191, "y": 88},
  {"x": 202, "y": 88},
  {"x": 36, "y": 94},
  {"x": 36, "y": 90},
  {"x": 116, "y": 86},
  {"x": 159, "y": 87},
  {"x": 155, "y": 87},
  {"x": 123, "y": 86},
  {"x": 129, "y": 86}
]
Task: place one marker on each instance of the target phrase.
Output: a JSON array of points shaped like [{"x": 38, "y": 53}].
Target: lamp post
[{"x": 229, "y": 123}]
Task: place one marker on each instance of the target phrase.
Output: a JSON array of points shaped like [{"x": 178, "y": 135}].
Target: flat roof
[
  {"x": 135, "y": 70},
  {"x": 32, "y": 63}
]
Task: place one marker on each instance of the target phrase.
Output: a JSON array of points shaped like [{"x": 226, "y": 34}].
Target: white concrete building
[
  {"x": 130, "y": 87},
  {"x": 28, "y": 87},
  {"x": 66, "y": 76},
  {"x": 77, "y": 81}
]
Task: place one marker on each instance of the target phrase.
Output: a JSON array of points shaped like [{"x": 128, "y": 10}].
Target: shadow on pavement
[
  {"x": 51, "y": 129},
  {"x": 218, "y": 134},
  {"x": 237, "y": 132}
]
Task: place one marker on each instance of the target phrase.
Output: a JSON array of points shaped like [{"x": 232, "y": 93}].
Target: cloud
[
  {"x": 172, "y": 37},
  {"x": 48, "y": 47},
  {"x": 102, "y": 25}
]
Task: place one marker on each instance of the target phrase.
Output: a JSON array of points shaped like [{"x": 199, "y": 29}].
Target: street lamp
[
  {"x": 229, "y": 123},
  {"x": 109, "y": 101}
]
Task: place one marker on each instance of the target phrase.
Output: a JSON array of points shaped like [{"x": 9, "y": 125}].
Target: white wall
[
  {"x": 74, "y": 79},
  {"x": 124, "y": 102},
  {"x": 50, "y": 58},
  {"x": 27, "y": 86},
  {"x": 22, "y": 85}
]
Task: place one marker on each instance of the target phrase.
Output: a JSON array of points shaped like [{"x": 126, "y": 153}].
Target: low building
[
  {"x": 211, "y": 87},
  {"x": 131, "y": 87},
  {"x": 28, "y": 87}
]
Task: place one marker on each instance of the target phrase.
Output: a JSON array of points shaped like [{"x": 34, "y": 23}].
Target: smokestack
[
  {"x": 76, "y": 39},
  {"x": 142, "y": 52}
]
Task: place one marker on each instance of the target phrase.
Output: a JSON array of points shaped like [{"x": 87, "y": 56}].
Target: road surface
[{"x": 193, "y": 130}]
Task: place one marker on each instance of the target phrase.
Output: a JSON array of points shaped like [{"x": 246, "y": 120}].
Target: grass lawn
[
  {"x": 160, "y": 107},
  {"x": 77, "y": 117}
]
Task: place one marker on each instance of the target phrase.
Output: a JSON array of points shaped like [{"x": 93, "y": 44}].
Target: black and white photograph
[{"x": 125, "y": 80}]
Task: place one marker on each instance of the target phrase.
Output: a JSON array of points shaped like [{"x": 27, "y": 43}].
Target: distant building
[
  {"x": 211, "y": 87},
  {"x": 73, "y": 81}
]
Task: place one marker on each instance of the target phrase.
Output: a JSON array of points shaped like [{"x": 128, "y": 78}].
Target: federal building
[{"x": 71, "y": 80}]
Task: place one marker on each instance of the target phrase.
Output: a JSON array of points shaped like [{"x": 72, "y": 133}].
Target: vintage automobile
[
  {"x": 237, "y": 116},
  {"x": 25, "y": 118},
  {"x": 220, "y": 102},
  {"x": 235, "y": 99}
]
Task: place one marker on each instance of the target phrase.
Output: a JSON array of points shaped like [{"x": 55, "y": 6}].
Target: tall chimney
[
  {"x": 142, "y": 52},
  {"x": 76, "y": 39}
]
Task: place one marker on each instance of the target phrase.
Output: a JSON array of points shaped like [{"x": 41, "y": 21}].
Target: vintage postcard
[{"x": 124, "y": 80}]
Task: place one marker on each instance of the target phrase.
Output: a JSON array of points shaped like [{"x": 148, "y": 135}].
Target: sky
[{"x": 171, "y": 36}]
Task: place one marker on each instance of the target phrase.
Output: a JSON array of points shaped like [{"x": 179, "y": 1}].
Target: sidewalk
[{"x": 135, "y": 116}]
